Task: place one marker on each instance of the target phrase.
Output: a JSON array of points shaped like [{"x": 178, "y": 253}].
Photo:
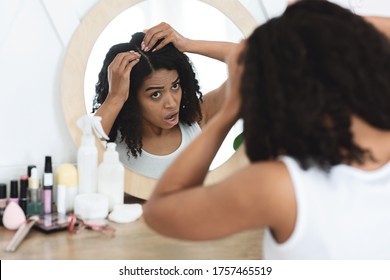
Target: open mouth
[{"x": 172, "y": 119}]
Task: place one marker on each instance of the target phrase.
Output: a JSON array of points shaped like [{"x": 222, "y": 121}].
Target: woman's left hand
[{"x": 167, "y": 33}]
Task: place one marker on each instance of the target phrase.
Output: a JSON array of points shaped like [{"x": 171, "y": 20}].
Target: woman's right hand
[
  {"x": 119, "y": 75},
  {"x": 118, "y": 88}
]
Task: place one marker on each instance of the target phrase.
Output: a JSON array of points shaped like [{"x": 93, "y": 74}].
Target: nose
[{"x": 170, "y": 101}]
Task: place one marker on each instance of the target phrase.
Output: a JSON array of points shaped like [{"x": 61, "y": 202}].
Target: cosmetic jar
[{"x": 91, "y": 206}]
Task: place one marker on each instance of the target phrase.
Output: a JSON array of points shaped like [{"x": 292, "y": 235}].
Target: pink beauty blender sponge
[{"x": 13, "y": 216}]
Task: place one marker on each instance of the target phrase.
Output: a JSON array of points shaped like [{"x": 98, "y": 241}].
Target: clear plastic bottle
[
  {"x": 87, "y": 157},
  {"x": 111, "y": 176}
]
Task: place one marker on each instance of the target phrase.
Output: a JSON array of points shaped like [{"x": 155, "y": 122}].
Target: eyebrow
[{"x": 161, "y": 87}]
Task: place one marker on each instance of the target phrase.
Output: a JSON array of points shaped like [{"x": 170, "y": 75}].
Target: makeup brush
[{"x": 21, "y": 234}]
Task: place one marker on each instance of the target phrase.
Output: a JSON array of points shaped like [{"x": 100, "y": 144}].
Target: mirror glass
[
  {"x": 89, "y": 33},
  {"x": 191, "y": 23}
]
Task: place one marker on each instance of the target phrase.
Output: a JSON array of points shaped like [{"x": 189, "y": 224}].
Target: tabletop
[{"x": 131, "y": 241}]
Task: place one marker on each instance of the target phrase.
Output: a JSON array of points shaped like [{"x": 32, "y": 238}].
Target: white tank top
[
  {"x": 344, "y": 214},
  {"x": 151, "y": 165}
]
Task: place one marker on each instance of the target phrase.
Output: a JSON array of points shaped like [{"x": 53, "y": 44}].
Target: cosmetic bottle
[
  {"x": 66, "y": 181},
  {"x": 29, "y": 167},
  {"x": 47, "y": 191},
  {"x": 23, "y": 193},
  {"x": 87, "y": 155},
  {"x": 14, "y": 193},
  {"x": 111, "y": 176},
  {"x": 3, "y": 200},
  {"x": 87, "y": 158},
  {"x": 34, "y": 204}
]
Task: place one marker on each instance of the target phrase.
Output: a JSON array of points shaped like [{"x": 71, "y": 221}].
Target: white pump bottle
[
  {"x": 111, "y": 176},
  {"x": 87, "y": 154}
]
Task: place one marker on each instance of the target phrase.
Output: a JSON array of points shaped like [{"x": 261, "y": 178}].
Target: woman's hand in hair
[
  {"x": 119, "y": 75},
  {"x": 118, "y": 88},
  {"x": 213, "y": 49},
  {"x": 167, "y": 33}
]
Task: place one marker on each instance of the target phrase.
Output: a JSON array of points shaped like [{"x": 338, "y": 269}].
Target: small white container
[
  {"x": 111, "y": 176},
  {"x": 91, "y": 206},
  {"x": 126, "y": 213}
]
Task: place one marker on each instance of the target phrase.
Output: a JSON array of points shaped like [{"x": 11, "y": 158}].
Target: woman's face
[{"x": 159, "y": 99}]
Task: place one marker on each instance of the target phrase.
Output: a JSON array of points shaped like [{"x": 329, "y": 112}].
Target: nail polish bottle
[
  {"x": 34, "y": 204},
  {"x": 23, "y": 193},
  {"x": 14, "y": 195},
  {"x": 3, "y": 200}
]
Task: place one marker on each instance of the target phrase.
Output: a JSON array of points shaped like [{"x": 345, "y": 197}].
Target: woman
[
  {"x": 315, "y": 100},
  {"x": 149, "y": 98}
]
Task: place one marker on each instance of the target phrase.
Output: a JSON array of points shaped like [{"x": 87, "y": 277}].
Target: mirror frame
[{"x": 75, "y": 64}]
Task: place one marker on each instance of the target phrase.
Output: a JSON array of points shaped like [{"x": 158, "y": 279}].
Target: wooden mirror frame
[{"x": 73, "y": 73}]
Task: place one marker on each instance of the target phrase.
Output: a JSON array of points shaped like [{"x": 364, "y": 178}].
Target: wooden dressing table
[{"x": 132, "y": 241}]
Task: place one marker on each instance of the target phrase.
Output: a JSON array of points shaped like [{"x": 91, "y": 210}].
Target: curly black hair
[
  {"x": 129, "y": 119},
  {"x": 306, "y": 72}
]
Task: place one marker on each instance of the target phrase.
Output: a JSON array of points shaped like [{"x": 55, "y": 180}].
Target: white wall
[{"x": 34, "y": 35}]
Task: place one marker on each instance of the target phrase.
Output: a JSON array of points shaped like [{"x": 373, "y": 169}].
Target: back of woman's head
[
  {"x": 129, "y": 120},
  {"x": 306, "y": 72}
]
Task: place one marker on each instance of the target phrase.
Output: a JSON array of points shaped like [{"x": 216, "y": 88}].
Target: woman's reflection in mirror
[{"x": 149, "y": 97}]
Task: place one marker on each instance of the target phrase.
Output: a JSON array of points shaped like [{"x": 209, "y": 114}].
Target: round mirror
[{"x": 107, "y": 24}]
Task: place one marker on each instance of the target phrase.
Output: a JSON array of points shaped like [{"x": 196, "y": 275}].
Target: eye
[
  {"x": 176, "y": 86},
  {"x": 155, "y": 95}
]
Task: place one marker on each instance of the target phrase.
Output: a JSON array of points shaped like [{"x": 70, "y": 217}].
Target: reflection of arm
[
  {"x": 212, "y": 49},
  {"x": 212, "y": 102},
  {"x": 109, "y": 111},
  {"x": 381, "y": 23}
]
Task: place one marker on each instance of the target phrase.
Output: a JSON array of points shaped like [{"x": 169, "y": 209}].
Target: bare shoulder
[{"x": 266, "y": 176}]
